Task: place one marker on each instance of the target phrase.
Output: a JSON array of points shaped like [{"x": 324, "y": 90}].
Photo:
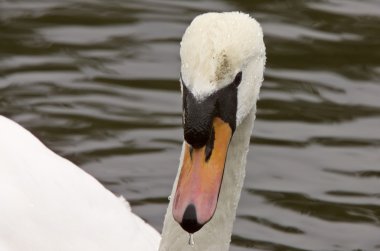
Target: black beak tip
[{"x": 189, "y": 220}]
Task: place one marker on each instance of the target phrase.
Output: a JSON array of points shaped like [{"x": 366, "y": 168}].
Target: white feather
[
  {"x": 215, "y": 47},
  {"x": 47, "y": 203}
]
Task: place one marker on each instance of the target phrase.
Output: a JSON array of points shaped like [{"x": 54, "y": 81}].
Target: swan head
[{"x": 222, "y": 65}]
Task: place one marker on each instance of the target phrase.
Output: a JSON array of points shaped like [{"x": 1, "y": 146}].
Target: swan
[
  {"x": 222, "y": 66},
  {"x": 48, "y": 203}
]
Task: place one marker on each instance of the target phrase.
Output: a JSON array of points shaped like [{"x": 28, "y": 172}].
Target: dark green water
[{"x": 97, "y": 81}]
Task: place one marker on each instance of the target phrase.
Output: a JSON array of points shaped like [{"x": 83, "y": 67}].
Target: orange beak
[{"x": 200, "y": 180}]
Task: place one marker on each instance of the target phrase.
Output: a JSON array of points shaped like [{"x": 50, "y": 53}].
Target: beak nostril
[
  {"x": 189, "y": 220},
  {"x": 191, "y": 149},
  {"x": 210, "y": 144}
]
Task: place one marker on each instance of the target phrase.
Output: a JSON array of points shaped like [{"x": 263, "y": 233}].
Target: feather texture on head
[{"x": 216, "y": 47}]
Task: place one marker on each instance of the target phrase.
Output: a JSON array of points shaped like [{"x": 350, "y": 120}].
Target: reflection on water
[{"x": 98, "y": 82}]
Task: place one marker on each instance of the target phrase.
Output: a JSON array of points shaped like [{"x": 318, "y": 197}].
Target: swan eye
[{"x": 237, "y": 79}]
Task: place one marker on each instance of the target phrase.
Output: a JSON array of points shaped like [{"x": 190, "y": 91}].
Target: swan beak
[{"x": 200, "y": 179}]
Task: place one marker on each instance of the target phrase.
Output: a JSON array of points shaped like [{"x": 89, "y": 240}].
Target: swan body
[{"x": 47, "y": 203}]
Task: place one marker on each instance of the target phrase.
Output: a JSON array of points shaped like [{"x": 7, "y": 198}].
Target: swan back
[{"x": 48, "y": 203}]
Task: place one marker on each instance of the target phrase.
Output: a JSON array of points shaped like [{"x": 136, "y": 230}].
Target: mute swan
[
  {"x": 47, "y": 203},
  {"x": 222, "y": 65}
]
